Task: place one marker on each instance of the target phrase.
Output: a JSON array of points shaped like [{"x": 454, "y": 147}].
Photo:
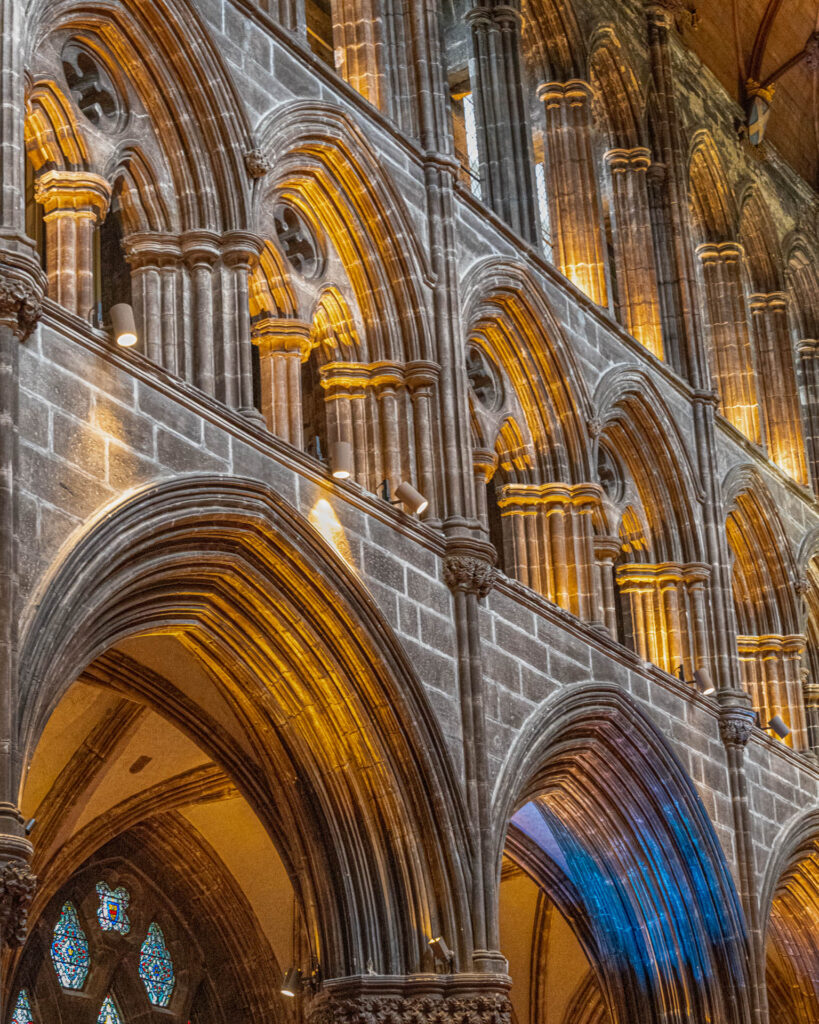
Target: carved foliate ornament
[
  {"x": 21, "y": 302},
  {"x": 469, "y": 574},
  {"x": 735, "y": 725},
  {"x": 256, "y": 163},
  {"x": 482, "y": 1009},
  {"x": 17, "y": 888}
]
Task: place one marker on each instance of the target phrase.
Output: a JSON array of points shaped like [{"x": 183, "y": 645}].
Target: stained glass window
[
  {"x": 22, "y": 1011},
  {"x": 156, "y": 967},
  {"x": 111, "y": 911},
  {"x": 69, "y": 949},
  {"x": 109, "y": 1014}
]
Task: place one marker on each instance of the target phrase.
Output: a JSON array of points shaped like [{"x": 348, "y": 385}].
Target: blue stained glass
[
  {"x": 111, "y": 912},
  {"x": 69, "y": 949},
  {"x": 22, "y": 1011},
  {"x": 156, "y": 967},
  {"x": 109, "y": 1013}
]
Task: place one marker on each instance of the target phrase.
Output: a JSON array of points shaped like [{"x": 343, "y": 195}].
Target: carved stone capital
[
  {"x": 17, "y": 888},
  {"x": 469, "y": 574},
  {"x": 427, "y": 1000},
  {"x": 22, "y": 286},
  {"x": 736, "y": 717},
  {"x": 256, "y": 163}
]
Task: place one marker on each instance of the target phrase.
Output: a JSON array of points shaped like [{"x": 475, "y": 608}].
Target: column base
[{"x": 252, "y": 414}]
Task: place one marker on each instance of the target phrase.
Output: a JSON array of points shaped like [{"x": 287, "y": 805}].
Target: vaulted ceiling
[{"x": 765, "y": 41}]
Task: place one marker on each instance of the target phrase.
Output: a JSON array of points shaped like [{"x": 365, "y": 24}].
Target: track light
[
  {"x": 441, "y": 950},
  {"x": 414, "y": 500},
  {"x": 30, "y": 825},
  {"x": 703, "y": 681},
  {"x": 122, "y": 320},
  {"x": 777, "y": 725},
  {"x": 341, "y": 460},
  {"x": 291, "y": 986}
]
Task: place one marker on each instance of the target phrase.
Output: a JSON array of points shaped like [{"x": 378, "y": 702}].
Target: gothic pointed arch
[
  {"x": 636, "y": 424},
  {"x": 553, "y": 40},
  {"x": 765, "y": 571},
  {"x": 325, "y": 168},
  {"x": 595, "y": 798},
  {"x": 758, "y": 236},
  {"x": 509, "y": 317},
  {"x": 180, "y": 79},
  {"x": 314, "y": 679},
  {"x": 713, "y": 206},
  {"x": 769, "y": 623},
  {"x": 790, "y": 909},
  {"x": 620, "y": 97}
]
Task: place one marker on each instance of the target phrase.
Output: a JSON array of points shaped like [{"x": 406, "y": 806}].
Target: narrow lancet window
[
  {"x": 22, "y": 1010},
  {"x": 156, "y": 967},
  {"x": 109, "y": 1014},
  {"x": 69, "y": 949}
]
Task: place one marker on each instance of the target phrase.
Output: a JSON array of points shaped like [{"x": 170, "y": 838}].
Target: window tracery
[{"x": 111, "y": 912}]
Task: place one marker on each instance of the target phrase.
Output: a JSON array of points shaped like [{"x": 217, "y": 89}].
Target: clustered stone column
[
  {"x": 200, "y": 251},
  {"x": 155, "y": 260},
  {"x": 736, "y": 722},
  {"x": 771, "y": 673},
  {"x": 75, "y": 204},
  {"x": 484, "y": 464},
  {"x": 551, "y": 542},
  {"x": 808, "y": 352},
  {"x": 384, "y": 410},
  {"x": 359, "y": 47},
  {"x": 500, "y": 114},
  {"x": 634, "y": 246},
  {"x": 783, "y": 428},
  {"x": 284, "y": 344},
  {"x": 810, "y": 698},
  {"x": 240, "y": 251},
  {"x": 191, "y": 303},
  {"x": 667, "y": 613},
  {"x": 730, "y": 349},
  {"x": 574, "y": 209}
]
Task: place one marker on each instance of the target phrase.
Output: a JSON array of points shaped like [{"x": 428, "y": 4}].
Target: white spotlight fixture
[
  {"x": 291, "y": 986},
  {"x": 440, "y": 949},
  {"x": 414, "y": 500},
  {"x": 703, "y": 681},
  {"x": 341, "y": 460},
  {"x": 122, "y": 321},
  {"x": 777, "y": 725}
]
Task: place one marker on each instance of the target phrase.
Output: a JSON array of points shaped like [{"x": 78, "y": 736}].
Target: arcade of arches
[{"x": 420, "y": 622}]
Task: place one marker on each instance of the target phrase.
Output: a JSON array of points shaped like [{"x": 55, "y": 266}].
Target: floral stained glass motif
[
  {"x": 69, "y": 949},
  {"x": 22, "y": 1011},
  {"x": 156, "y": 967},
  {"x": 109, "y": 1014},
  {"x": 111, "y": 911}
]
